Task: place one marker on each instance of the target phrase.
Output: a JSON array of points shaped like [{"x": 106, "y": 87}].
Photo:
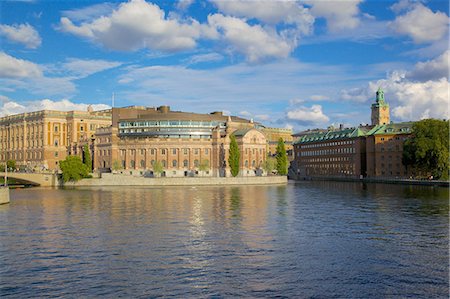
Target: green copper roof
[
  {"x": 397, "y": 128},
  {"x": 241, "y": 132}
]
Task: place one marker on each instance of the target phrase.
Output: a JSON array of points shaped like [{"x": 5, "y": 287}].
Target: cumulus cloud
[
  {"x": 340, "y": 15},
  {"x": 23, "y": 33},
  {"x": 421, "y": 24},
  {"x": 253, "y": 41},
  {"x": 11, "y": 67},
  {"x": 9, "y": 107},
  {"x": 308, "y": 115},
  {"x": 270, "y": 12},
  {"x": 89, "y": 12},
  {"x": 136, "y": 25},
  {"x": 432, "y": 69},
  {"x": 412, "y": 95},
  {"x": 184, "y": 4}
]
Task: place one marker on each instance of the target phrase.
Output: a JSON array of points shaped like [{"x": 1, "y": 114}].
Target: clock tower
[{"x": 380, "y": 110}]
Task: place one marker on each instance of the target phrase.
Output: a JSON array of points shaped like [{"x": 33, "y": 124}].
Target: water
[{"x": 303, "y": 240}]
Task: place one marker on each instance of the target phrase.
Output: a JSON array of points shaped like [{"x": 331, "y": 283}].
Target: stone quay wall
[
  {"x": 4, "y": 195},
  {"x": 109, "y": 179}
]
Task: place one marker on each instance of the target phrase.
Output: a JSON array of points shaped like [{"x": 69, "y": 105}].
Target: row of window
[
  {"x": 142, "y": 163},
  {"x": 334, "y": 151},
  {"x": 163, "y": 151},
  {"x": 333, "y": 159},
  {"x": 334, "y": 143},
  {"x": 172, "y": 123}
]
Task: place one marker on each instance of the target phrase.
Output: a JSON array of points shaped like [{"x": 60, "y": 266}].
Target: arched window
[
  {"x": 196, "y": 163},
  {"x": 185, "y": 163},
  {"x": 163, "y": 162},
  {"x": 174, "y": 163},
  {"x": 142, "y": 163},
  {"x": 132, "y": 164}
]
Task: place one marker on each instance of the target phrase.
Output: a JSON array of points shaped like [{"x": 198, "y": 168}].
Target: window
[
  {"x": 174, "y": 151},
  {"x": 253, "y": 163},
  {"x": 81, "y": 128},
  {"x": 195, "y": 163},
  {"x": 163, "y": 162},
  {"x": 163, "y": 151},
  {"x": 56, "y": 128},
  {"x": 142, "y": 163},
  {"x": 142, "y": 151},
  {"x": 152, "y": 151},
  {"x": 206, "y": 151},
  {"x": 246, "y": 163},
  {"x": 56, "y": 142},
  {"x": 196, "y": 151},
  {"x": 132, "y": 164},
  {"x": 185, "y": 151},
  {"x": 174, "y": 163},
  {"x": 123, "y": 164},
  {"x": 56, "y": 154},
  {"x": 185, "y": 163}
]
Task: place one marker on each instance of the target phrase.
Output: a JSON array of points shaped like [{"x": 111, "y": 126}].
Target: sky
[{"x": 289, "y": 64}]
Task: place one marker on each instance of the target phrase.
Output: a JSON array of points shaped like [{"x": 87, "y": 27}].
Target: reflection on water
[{"x": 306, "y": 239}]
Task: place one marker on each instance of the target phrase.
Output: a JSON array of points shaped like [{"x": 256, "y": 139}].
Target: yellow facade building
[{"x": 39, "y": 140}]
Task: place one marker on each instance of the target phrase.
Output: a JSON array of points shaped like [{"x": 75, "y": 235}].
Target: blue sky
[{"x": 299, "y": 64}]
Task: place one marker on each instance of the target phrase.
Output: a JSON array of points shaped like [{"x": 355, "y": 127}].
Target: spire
[{"x": 380, "y": 95}]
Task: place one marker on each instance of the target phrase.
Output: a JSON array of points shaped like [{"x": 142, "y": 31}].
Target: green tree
[
  {"x": 269, "y": 165},
  {"x": 116, "y": 165},
  {"x": 204, "y": 165},
  {"x": 427, "y": 150},
  {"x": 234, "y": 156},
  {"x": 11, "y": 164},
  {"x": 73, "y": 169},
  {"x": 282, "y": 162},
  {"x": 157, "y": 167},
  {"x": 87, "y": 157}
]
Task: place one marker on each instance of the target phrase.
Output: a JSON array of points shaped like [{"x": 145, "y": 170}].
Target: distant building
[
  {"x": 273, "y": 135},
  {"x": 372, "y": 151},
  {"x": 40, "y": 139}
]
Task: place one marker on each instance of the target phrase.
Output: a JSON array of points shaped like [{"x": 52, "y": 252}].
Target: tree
[
  {"x": 157, "y": 167},
  {"x": 282, "y": 163},
  {"x": 73, "y": 169},
  {"x": 116, "y": 165},
  {"x": 427, "y": 150},
  {"x": 269, "y": 165},
  {"x": 204, "y": 165},
  {"x": 87, "y": 157},
  {"x": 11, "y": 164},
  {"x": 234, "y": 157}
]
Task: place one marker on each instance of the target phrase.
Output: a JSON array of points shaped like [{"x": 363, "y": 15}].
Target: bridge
[{"x": 39, "y": 179}]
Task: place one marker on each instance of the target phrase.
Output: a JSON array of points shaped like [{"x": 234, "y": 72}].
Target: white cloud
[
  {"x": 10, "y": 107},
  {"x": 319, "y": 97},
  {"x": 24, "y": 34},
  {"x": 270, "y": 12},
  {"x": 253, "y": 41},
  {"x": 263, "y": 117},
  {"x": 184, "y": 4},
  {"x": 208, "y": 57},
  {"x": 340, "y": 15},
  {"x": 409, "y": 100},
  {"x": 245, "y": 113},
  {"x": 422, "y": 24},
  {"x": 84, "y": 67},
  {"x": 308, "y": 115},
  {"x": 431, "y": 70},
  {"x": 11, "y": 67},
  {"x": 136, "y": 25},
  {"x": 90, "y": 12}
]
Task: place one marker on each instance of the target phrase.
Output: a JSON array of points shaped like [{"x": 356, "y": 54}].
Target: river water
[{"x": 303, "y": 240}]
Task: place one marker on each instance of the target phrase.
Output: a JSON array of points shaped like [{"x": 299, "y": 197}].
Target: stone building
[
  {"x": 367, "y": 151},
  {"x": 273, "y": 135},
  {"x": 185, "y": 144},
  {"x": 39, "y": 140}
]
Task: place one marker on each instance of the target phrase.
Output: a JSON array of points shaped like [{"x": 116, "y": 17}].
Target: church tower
[{"x": 380, "y": 110}]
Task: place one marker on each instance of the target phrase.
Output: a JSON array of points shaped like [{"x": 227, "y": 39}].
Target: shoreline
[
  {"x": 377, "y": 180},
  {"x": 127, "y": 180}
]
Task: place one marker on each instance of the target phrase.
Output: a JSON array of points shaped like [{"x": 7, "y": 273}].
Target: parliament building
[{"x": 133, "y": 139}]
